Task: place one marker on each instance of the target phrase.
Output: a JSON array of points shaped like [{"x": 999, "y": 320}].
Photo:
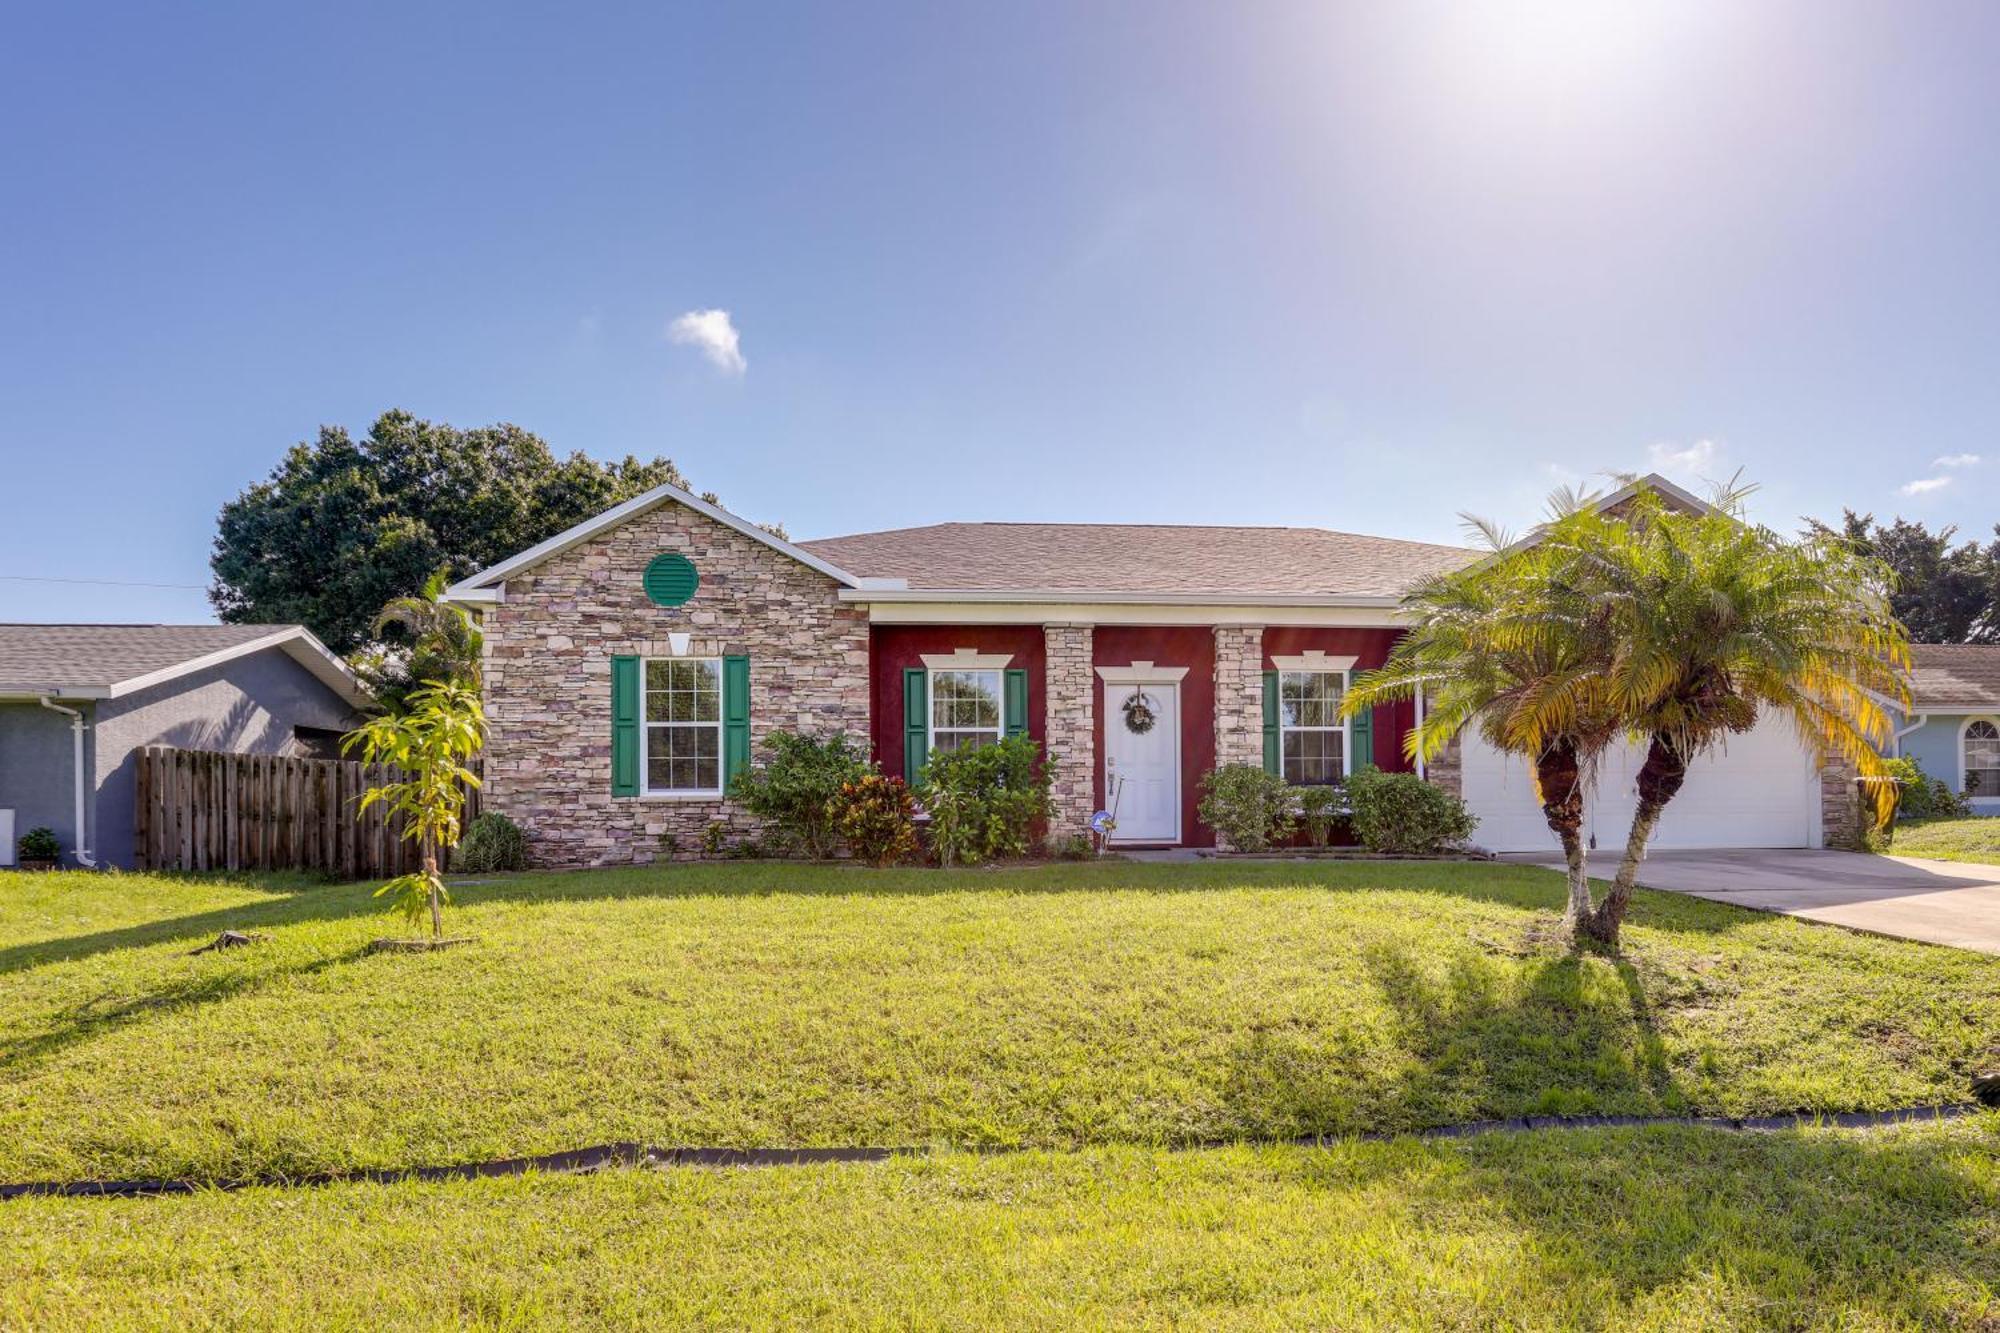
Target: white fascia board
[
  {"x": 1651, "y": 481},
  {"x": 1136, "y": 613},
  {"x": 1084, "y": 597},
  {"x": 665, "y": 493},
  {"x": 299, "y": 644},
  {"x": 30, "y": 693}
]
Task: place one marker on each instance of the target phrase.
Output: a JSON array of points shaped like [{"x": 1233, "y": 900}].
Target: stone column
[
  {"x": 1071, "y": 684},
  {"x": 1840, "y": 817},
  {"x": 1239, "y": 694},
  {"x": 1447, "y": 771}
]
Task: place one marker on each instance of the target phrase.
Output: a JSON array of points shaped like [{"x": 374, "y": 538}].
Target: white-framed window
[
  {"x": 683, "y": 723},
  {"x": 965, "y": 708},
  {"x": 1312, "y": 738},
  {"x": 1979, "y": 757}
]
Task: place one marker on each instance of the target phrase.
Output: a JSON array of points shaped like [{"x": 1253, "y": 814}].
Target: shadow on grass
[
  {"x": 297, "y": 900},
  {"x": 1783, "y": 1230},
  {"x": 95, "y": 1017},
  {"x": 1480, "y": 1038}
]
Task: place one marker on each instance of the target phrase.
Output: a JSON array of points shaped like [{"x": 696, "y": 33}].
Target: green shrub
[
  {"x": 491, "y": 842},
  {"x": 1076, "y": 847},
  {"x": 1402, "y": 813},
  {"x": 796, "y": 791},
  {"x": 1922, "y": 796},
  {"x": 878, "y": 818},
  {"x": 1250, "y": 808},
  {"x": 1320, "y": 808},
  {"x": 38, "y": 844},
  {"x": 985, "y": 802}
]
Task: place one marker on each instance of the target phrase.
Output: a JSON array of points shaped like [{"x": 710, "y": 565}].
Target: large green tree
[
  {"x": 1945, "y": 590},
  {"x": 343, "y": 527}
]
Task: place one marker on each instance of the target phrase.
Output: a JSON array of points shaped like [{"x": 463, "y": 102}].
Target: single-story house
[
  {"x": 634, "y": 662},
  {"x": 1953, "y": 729},
  {"x": 76, "y": 702}
]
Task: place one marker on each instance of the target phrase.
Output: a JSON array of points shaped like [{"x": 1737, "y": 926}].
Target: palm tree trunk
[
  {"x": 1559, "y": 782},
  {"x": 1660, "y": 778}
]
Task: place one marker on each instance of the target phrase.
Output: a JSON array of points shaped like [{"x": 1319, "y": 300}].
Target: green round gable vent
[{"x": 670, "y": 579}]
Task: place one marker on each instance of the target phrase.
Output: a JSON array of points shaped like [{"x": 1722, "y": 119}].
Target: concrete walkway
[{"x": 1942, "y": 902}]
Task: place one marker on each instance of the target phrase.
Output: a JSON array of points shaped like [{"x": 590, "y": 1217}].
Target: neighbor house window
[
  {"x": 684, "y": 726},
  {"x": 1982, "y": 759},
  {"x": 1312, "y": 740},
  {"x": 965, "y": 709}
]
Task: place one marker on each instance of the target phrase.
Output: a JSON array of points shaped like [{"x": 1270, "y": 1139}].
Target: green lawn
[
  {"x": 1657, "y": 1229},
  {"x": 1973, "y": 839},
  {"x": 751, "y": 1004}
]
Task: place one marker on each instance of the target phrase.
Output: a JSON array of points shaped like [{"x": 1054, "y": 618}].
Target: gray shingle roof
[
  {"x": 1956, "y": 675},
  {"x": 95, "y": 657},
  {"x": 1237, "y": 563}
]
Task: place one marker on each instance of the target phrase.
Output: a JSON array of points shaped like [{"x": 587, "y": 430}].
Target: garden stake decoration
[{"x": 431, "y": 742}]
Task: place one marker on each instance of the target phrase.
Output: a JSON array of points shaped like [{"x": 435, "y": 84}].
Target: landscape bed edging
[{"x": 582, "y": 1161}]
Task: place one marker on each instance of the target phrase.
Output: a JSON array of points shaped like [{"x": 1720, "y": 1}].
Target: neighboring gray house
[
  {"x": 87, "y": 696},
  {"x": 1954, "y": 726}
]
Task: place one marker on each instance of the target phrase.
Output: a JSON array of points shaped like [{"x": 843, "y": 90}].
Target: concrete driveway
[{"x": 1943, "y": 902}]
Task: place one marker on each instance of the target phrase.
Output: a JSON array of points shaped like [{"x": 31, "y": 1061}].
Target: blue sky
[{"x": 1357, "y": 267}]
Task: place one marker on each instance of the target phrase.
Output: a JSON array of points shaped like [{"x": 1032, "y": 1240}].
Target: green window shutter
[
  {"x": 625, "y": 747},
  {"x": 1016, "y": 705},
  {"x": 916, "y": 722},
  {"x": 1272, "y": 763},
  {"x": 1361, "y": 727},
  {"x": 735, "y": 718}
]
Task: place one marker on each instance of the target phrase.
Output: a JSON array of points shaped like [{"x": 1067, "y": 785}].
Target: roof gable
[
  {"x": 110, "y": 661},
  {"x": 484, "y": 586}
]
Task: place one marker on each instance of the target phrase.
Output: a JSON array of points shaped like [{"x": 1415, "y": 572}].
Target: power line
[{"x": 107, "y": 583}]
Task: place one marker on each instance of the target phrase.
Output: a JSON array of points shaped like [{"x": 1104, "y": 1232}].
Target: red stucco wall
[
  {"x": 894, "y": 647},
  {"x": 1181, "y": 645},
  {"x": 1369, "y": 648}
]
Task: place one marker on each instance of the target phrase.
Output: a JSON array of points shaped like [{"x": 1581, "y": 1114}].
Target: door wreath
[{"x": 1140, "y": 713}]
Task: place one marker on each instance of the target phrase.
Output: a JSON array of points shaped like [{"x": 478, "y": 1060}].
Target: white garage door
[{"x": 1760, "y": 791}]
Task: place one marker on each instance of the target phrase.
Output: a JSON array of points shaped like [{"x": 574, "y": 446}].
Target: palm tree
[
  {"x": 1509, "y": 645},
  {"x": 1715, "y": 622},
  {"x": 443, "y": 644}
]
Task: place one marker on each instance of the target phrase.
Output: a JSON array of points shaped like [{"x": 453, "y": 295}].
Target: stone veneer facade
[
  {"x": 1071, "y": 686},
  {"x": 1840, "y": 817},
  {"x": 1239, "y": 694},
  {"x": 548, "y": 656}
]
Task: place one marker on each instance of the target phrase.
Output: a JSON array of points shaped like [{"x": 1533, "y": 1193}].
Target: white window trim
[
  {"x": 957, "y": 665},
  {"x": 967, "y": 659},
  {"x": 647, "y": 790},
  {"x": 1963, "y": 728},
  {"x": 1345, "y": 728},
  {"x": 1312, "y": 659}
]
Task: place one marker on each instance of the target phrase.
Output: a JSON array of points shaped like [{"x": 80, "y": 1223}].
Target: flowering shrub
[{"x": 877, "y": 818}]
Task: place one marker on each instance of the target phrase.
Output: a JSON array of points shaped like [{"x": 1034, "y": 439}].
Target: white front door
[{"x": 1142, "y": 770}]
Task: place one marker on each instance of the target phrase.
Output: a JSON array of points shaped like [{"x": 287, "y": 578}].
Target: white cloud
[
  {"x": 1956, "y": 460},
  {"x": 1697, "y": 458},
  {"x": 1923, "y": 485},
  {"x": 712, "y": 332}
]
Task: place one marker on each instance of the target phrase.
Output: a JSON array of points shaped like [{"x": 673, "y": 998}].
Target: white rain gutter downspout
[
  {"x": 1896, "y": 737},
  {"x": 81, "y": 852}
]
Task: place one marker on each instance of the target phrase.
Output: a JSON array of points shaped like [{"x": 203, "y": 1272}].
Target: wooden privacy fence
[{"x": 202, "y": 810}]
